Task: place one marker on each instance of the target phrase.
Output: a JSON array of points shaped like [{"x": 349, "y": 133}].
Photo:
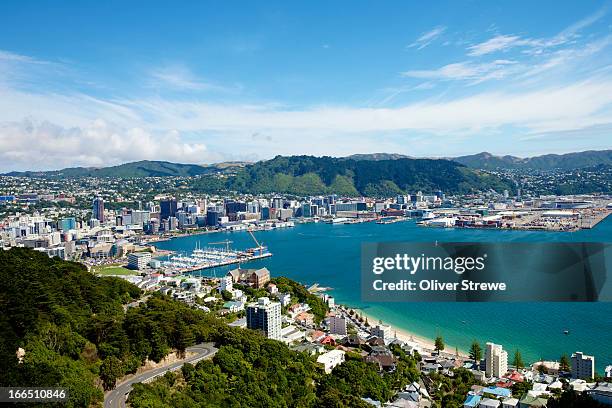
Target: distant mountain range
[
  {"x": 567, "y": 161},
  {"x": 144, "y": 168},
  {"x": 488, "y": 161}
]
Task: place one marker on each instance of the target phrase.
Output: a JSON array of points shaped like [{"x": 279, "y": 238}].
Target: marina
[{"x": 212, "y": 257}]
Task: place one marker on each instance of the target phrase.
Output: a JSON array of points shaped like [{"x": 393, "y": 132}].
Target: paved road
[{"x": 116, "y": 398}]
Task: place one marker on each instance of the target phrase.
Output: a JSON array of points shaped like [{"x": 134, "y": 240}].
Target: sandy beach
[{"x": 405, "y": 335}]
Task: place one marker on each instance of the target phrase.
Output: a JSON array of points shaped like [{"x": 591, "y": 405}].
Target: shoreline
[{"x": 407, "y": 336}]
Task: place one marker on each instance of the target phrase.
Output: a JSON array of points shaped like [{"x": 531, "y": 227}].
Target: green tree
[
  {"x": 475, "y": 351},
  {"x": 439, "y": 344},
  {"x": 564, "y": 363},
  {"x": 226, "y": 295},
  {"x": 518, "y": 360},
  {"x": 110, "y": 370}
]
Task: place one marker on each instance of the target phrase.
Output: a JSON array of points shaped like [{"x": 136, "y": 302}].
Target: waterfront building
[
  {"x": 337, "y": 325},
  {"x": 139, "y": 260},
  {"x": 265, "y": 213},
  {"x": 583, "y": 366},
  {"x": 212, "y": 218},
  {"x": 382, "y": 330},
  {"x": 98, "y": 209},
  {"x": 331, "y": 359},
  {"x": 173, "y": 223},
  {"x": 496, "y": 360},
  {"x": 265, "y": 316}
]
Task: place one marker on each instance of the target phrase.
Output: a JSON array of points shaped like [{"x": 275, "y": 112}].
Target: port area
[{"x": 566, "y": 220}]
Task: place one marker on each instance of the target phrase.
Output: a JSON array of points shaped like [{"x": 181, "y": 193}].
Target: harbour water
[{"x": 329, "y": 255}]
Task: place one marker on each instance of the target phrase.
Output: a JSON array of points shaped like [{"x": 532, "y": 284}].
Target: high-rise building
[
  {"x": 265, "y": 316},
  {"x": 168, "y": 208},
  {"x": 583, "y": 366},
  {"x": 212, "y": 218},
  {"x": 67, "y": 224},
  {"x": 98, "y": 209},
  {"x": 337, "y": 325},
  {"x": 496, "y": 360}
]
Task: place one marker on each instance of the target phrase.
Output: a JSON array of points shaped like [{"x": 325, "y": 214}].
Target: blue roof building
[{"x": 472, "y": 401}]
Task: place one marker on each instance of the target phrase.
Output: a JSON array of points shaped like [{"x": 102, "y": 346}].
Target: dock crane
[{"x": 259, "y": 246}]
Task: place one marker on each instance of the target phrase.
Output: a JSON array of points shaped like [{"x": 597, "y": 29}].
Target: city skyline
[{"x": 86, "y": 86}]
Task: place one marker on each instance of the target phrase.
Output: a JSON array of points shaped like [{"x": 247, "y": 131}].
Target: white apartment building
[
  {"x": 331, "y": 359},
  {"x": 226, "y": 284},
  {"x": 139, "y": 260},
  {"x": 383, "y": 331},
  {"x": 496, "y": 360},
  {"x": 265, "y": 316},
  {"x": 583, "y": 366}
]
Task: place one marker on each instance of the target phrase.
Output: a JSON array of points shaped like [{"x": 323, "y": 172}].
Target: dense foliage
[
  {"x": 451, "y": 392},
  {"x": 308, "y": 175},
  {"x": 74, "y": 330},
  {"x": 251, "y": 371},
  {"x": 78, "y": 332}
]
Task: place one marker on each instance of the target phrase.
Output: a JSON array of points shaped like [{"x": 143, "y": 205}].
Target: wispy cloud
[
  {"x": 175, "y": 129},
  {"x": 464, "y": 70},
  {"x": 178, "y": 77},
  {"x": 428, "y": 37},
  {"x": 500, "y": 42}
]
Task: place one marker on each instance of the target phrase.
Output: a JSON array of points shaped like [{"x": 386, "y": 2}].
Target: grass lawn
[{"x": 113, "y": 270}]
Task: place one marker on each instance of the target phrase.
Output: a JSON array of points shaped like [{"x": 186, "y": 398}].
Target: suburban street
[{"x": 117, "y": 397}]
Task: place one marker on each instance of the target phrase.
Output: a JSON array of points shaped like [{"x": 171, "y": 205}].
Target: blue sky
[{"x": 99, "y": 83}]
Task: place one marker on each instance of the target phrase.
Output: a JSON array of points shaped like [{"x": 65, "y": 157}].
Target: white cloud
[
  {"x": 536, "y": 46},
  {"x": 180, "y": 78},
  {"x": 464, "y": 70},
  {"x": 497, "y": 43},
  {"x": 31, "y": 144},
  {"x": 428, "y": 37}
]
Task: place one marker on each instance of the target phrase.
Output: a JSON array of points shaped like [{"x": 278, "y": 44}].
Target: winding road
[{"x": 117, "y": 397}]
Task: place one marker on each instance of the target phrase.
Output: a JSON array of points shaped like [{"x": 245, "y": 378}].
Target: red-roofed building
[
  {"x": 516, "y": 377},
  {"x": 316, "y": 335},
  {"x": 328, "y": 340}
]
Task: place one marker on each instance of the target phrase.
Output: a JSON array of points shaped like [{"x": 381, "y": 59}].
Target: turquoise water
[{"x": 329, "y": 255}]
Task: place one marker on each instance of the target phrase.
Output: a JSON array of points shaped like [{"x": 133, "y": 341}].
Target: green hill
[{"x": 308, "y": 175}]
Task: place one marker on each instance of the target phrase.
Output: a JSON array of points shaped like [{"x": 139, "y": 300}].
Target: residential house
[{"x": 331, "y": 359}]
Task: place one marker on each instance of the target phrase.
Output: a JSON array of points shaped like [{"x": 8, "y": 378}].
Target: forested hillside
[
  {"x": 309, "y": 175},
  {"x": 77, "y": 334}
]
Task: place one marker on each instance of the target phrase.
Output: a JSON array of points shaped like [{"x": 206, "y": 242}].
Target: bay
[{"x": 330, "y": 255}]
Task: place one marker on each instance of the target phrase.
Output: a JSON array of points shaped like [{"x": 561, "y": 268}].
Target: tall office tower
[
  {"x": 168, "y": 208},
  {"x": 98, "y": 209},
  {"x": 496, "y": 360},
  {"x": 583, "y": 366},
  {"x": 265, "y": 316}
]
